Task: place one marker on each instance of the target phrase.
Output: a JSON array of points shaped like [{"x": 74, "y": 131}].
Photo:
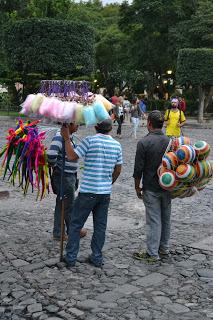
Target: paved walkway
[{"x": 33, "y": 285}]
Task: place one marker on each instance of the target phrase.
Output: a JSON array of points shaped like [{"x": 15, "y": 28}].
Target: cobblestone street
[{"x": 34, "y": 285}]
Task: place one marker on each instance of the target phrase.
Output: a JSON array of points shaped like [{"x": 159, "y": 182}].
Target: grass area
[{"x": 11, "y": 113}]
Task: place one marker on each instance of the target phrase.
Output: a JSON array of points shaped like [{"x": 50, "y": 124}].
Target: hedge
[{"x": 50, "y": 46}]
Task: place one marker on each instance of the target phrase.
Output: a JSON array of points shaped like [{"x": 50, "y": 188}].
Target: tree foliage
[
  {"x": 50, "y": 46},
  {"x": 195, "y": 66}
]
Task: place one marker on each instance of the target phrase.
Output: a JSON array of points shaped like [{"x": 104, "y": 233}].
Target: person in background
[
  {"x": 118, "y": 113},
  {"x": 182, "y": 104},
  {"x": 135, "y": 116},
  {"x": 126, "y": 106},
  {"x": 174, "y": 119},
  {"x": 150, "y": 150},
  {"x": 102, "y": 166},
  {"x": 54, "y": 155},
  {"x": 143, "y": 109}
]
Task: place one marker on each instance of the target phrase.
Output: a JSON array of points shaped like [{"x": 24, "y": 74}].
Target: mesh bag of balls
[{"x": 185, "y": 169}]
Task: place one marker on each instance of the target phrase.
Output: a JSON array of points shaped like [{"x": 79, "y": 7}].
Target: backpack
[{"x": 169, "y": 110}]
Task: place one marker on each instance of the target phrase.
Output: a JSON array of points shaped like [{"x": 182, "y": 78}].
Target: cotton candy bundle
[
  {"x": 36, "y": 103},
  {"x": 69, "y": 111},
  {"x": 89, "y": 116},
  {"x": 26, "y": 105},
  {"x": 107, "y": 104},
  {"x": 100, "y": 112},
  {"x": 79, "y": 116}
]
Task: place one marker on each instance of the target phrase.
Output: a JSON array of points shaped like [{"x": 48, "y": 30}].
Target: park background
[{"x": 160, "y": 48}]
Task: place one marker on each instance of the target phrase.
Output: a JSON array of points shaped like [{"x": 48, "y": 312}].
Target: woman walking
[{"x": 135, "y": 116}]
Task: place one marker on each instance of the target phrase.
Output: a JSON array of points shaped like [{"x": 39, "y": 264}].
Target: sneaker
[
  {"x": 95, "y": 264},
  {"x": 56, "y": 238},
  {"x": 144, "y": 256},
  {"x": 164, "y": 252},
  {"x": 68, "y": 264}
]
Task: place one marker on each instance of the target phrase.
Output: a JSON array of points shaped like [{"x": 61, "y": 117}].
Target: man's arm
[
  {"x": 116, "y": 172},
  {"x": 71, "y": 155},
  {"x": 138, "y": 169}
]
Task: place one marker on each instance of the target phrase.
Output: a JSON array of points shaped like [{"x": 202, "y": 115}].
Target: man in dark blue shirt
[{"x": 157, "y": 201}]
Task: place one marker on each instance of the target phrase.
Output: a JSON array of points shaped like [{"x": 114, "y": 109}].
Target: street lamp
[
  {"x": 165, "y": 81},
  {"x": 95, "y": 80},
  {"x": 169, "y": 71}
]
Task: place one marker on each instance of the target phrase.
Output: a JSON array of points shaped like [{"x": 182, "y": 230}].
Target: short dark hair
[
  {"x": 156, "y": 119},
  {"x": 104, "y": 126}
]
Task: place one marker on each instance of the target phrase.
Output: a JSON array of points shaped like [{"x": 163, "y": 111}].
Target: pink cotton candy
[
  {"x": 45, "y": 107},
  {"x": 69, "y": 111},
  {"x": 26, "y": 105}
]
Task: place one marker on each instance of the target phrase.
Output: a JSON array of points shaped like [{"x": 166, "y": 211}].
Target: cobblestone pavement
[{"x": 34, "y": 285}]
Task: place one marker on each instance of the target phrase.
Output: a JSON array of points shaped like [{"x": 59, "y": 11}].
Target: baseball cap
[{"x": 105, "y": 125}]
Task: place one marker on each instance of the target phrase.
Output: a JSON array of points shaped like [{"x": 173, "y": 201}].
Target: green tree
[
  {"x": 195, "y": 67},
  {"x": 50, "y": 46}
]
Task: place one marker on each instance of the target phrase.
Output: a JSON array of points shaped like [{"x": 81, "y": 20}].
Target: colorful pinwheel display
[
  {"x": 25, "y": 158},
  {"x": 185, "y": 168}
]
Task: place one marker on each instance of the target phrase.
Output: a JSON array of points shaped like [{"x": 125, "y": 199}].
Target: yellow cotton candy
[
  {"x": 79, "y": 116},
  {"x": 107, "y": 104},
  {"x": 37, "y": 101}
]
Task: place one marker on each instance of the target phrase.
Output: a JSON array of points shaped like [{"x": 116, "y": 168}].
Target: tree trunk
[
  {"x": 201, "y": 91},
  {"x": 208, "y": 98}
]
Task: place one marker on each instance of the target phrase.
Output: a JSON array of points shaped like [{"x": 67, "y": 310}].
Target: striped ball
[
  {"x": 177, "y": 142},
  {"x": 203, "y": 169},
  {"x": 185, "y": 172},
  {"x": 170, "y": 160},
  {"x": 168, "y": 180},
  {"x": 202, "y": 149},
  {"x": 211, "y": 164},
  {"x": 186, "y": 154},
  {"x": 178, "y": 192},
  {"x": 161, "y": 169}
]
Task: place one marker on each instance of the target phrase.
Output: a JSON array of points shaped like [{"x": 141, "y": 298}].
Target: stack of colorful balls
[{"x": 185, "y": 169}]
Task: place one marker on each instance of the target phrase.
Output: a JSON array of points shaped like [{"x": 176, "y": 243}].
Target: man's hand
[
  {"x": 139, "y": 192},
  {"x": 65, "y": 132}
]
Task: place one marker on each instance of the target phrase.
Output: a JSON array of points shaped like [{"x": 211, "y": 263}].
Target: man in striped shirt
[
  {"x": 102, "y": 166},
  {"x": 70, "y": 170}
]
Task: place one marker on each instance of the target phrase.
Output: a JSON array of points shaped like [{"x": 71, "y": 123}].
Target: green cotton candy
[{"x": 79, "y": 116}]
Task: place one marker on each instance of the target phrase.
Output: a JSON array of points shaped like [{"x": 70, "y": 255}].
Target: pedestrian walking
[
  {"x": 182, "y": 104},
  {"x": 143, "y": 109},
  {"x": 102, "y": 166},
  {"x": 118, "y": 113},
  {"x": 135, "y": 116},
  {"x": 70, "y": 175},
  {"x": 157, "y": 201},
  {"x": 174, "y": 119}
]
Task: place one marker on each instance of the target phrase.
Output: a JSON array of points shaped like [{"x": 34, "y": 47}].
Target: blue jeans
[
  {"x": 158, "y": 212},
  {"x": 69, "y": 196},
  {"x": 85, "y": 203}
]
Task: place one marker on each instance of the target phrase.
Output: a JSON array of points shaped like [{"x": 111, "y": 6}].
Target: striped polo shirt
[
  {"x": 55, "y": 155},
  {"x": 101, "y": 153}
]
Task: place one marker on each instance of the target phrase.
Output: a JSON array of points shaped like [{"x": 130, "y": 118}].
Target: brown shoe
[{"x": 83, "y": 232}]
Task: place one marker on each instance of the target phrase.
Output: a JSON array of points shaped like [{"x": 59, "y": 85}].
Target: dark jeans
[
  {"x": 85, "y": 203},
  {"x": 69, "y": 196},
  {"x": 119, "y": 121}
]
